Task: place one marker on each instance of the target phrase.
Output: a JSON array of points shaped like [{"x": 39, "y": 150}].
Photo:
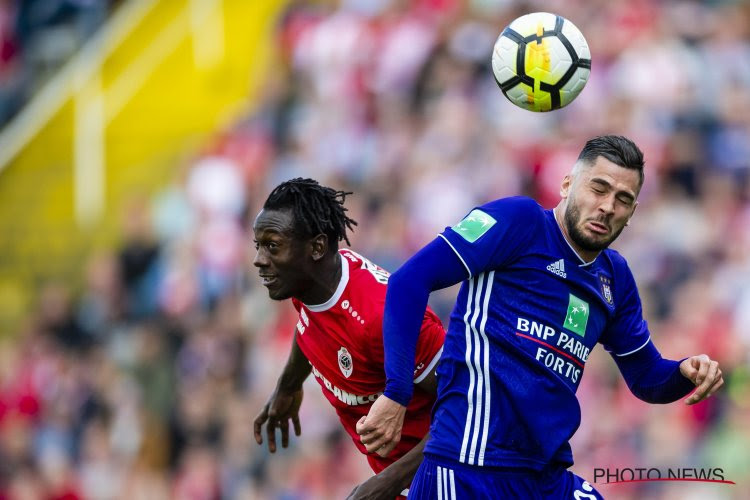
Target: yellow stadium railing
[{"x": 139, "y": 97}]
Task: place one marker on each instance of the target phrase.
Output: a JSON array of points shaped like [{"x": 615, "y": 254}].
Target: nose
[
  {"x": 607, "y": 206},
  {"x": 261, "y": 259}
]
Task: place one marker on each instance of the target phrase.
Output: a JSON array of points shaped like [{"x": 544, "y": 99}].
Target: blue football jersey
[{"x": 523, "y": 326}]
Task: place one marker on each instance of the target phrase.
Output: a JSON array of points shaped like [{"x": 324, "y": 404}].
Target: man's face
[
  {"x": 600, "y": 201},
  {"x": 282, "y": 259}
]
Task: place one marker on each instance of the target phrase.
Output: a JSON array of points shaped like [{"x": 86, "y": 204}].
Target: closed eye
[
  {"x": 600, "y": 186},
  {"x": 627, "y": 200}
]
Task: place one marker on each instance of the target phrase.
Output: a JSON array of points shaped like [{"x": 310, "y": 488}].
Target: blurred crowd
[
  {"x": 145, "y": 382},
  {"x": 36, "y": 38}
]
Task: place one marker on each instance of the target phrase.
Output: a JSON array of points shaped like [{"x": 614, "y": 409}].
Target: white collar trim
[{"x": 339, "y": 289}]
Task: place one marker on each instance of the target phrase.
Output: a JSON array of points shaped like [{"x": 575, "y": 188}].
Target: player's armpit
[
  {"x": 428, "y": 380},
  {"x": 296, "y": 369}
]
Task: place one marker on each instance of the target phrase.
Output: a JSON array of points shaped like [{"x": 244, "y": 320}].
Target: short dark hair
[
  {"x": 316, "y": 209},
  {"x": 617, "y": 149}
]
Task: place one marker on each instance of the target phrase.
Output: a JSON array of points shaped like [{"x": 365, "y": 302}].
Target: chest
[
  {"x": 338, "y": 344},
  {"x": 547, "y": 296}
]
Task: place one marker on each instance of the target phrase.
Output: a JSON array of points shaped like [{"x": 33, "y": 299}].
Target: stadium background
[{"x": 140, "y": 138}]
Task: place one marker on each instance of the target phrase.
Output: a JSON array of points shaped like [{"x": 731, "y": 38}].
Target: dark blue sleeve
[
  {"x": 492, "y": 235},
  {"x": 627, "y": 331},
  {"x": 434, "y": 267},
  {"x": 652, "y": 378}
]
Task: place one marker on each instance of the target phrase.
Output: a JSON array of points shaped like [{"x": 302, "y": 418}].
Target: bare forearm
[
  {"x": 401, "y": 472},
  {"x": 393, "y": 480},
  {"x": 296, "y": 370}
]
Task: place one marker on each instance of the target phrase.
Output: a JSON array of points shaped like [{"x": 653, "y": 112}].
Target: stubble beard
[{"x": 572, "y": 218}]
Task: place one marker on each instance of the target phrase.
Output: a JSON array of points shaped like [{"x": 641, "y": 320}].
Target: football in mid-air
[{"x": 541, "y": 61}]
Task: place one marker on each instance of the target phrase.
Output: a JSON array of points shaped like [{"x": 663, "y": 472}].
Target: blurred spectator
[
  {"x": 36, "y": 38},
  {"x": 145, "y": 385}
]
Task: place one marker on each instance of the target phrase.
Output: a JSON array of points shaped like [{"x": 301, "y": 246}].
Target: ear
[
  {"x": 319, "y": 247},
  {"x": 567, "y": 183},
  {"x": 635, "y": 206}
]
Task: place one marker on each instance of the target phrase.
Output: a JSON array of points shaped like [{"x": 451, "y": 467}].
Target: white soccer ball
[{"x": 541, "y": 61}]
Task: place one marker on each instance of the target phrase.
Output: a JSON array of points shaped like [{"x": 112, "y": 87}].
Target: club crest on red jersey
[{"x": 346, "y": 365}]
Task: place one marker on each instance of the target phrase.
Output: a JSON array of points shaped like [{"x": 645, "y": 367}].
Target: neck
[
  {"x": 325, "y": 281},
  {"x": 585, "y": 255}
]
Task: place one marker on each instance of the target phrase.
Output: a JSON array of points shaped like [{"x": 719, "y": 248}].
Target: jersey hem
[{"x": 500, "y": 460}]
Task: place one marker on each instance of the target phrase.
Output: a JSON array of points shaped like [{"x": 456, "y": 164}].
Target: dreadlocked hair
[{"x": 316, "y": 209}]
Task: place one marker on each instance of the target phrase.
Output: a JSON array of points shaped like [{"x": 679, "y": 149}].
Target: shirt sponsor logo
[
  {"x": 474, "y": 225},
  {"x": 344, "y": 396},
  {"x": 558, "y": 268},
  {"x": 346, "y": 364},
  {"x": 577, "y": 316},
  {"x": 562, "y": 353}
]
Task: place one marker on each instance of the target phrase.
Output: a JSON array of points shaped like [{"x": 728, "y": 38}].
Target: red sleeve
[{"x": 429, "y": 345}]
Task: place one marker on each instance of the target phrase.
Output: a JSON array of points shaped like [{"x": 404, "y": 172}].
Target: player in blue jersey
[{"x": 541, "y": 289}]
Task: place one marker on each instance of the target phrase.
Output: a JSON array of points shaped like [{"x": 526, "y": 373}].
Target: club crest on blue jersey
[
  {"x": 346, "y": 365},
  {"x": 606, "y": 285}
]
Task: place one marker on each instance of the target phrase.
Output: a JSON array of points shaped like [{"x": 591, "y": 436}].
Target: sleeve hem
[
  {"x": 429, "y": 367},
  {"x": 634, "y": 350},
  {"x": 457, "y": 254}
]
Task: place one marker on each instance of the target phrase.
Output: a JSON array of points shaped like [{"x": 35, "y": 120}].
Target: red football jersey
[{"x": 343, "y": 340}]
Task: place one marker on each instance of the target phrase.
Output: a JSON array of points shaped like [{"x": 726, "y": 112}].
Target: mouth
[
  {"x": 268, "y": 279},
  {"x": 597, "y": 227}
]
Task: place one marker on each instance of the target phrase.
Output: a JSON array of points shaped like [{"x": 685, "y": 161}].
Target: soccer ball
[{"x": 541, "y": 61}]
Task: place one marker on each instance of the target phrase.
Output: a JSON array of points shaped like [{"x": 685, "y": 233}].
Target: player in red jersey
[{"x": 340, "y": 297}]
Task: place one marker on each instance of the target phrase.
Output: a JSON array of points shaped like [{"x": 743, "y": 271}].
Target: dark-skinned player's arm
[
  {"x": 434, "y": 267},
  {"x": 397, "y": 476},
  {"x": 284, "y": 403}
]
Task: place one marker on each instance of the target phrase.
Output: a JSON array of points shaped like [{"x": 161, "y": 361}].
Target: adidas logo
[{"x": 558, "y": 268}]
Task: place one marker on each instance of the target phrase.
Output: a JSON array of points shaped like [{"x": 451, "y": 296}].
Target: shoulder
[
  {"x": 350, "y": 256},
  {"x": 620, "y": 270},
  {"x": 617, "y": 261},
  {"x": 367, "y": 281},
  {"x": 517, "y": 213},
  {"x": 521, "y": 205},
  {"x": 517, "y": 209},
  {"x": 360, "y": 266}
]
